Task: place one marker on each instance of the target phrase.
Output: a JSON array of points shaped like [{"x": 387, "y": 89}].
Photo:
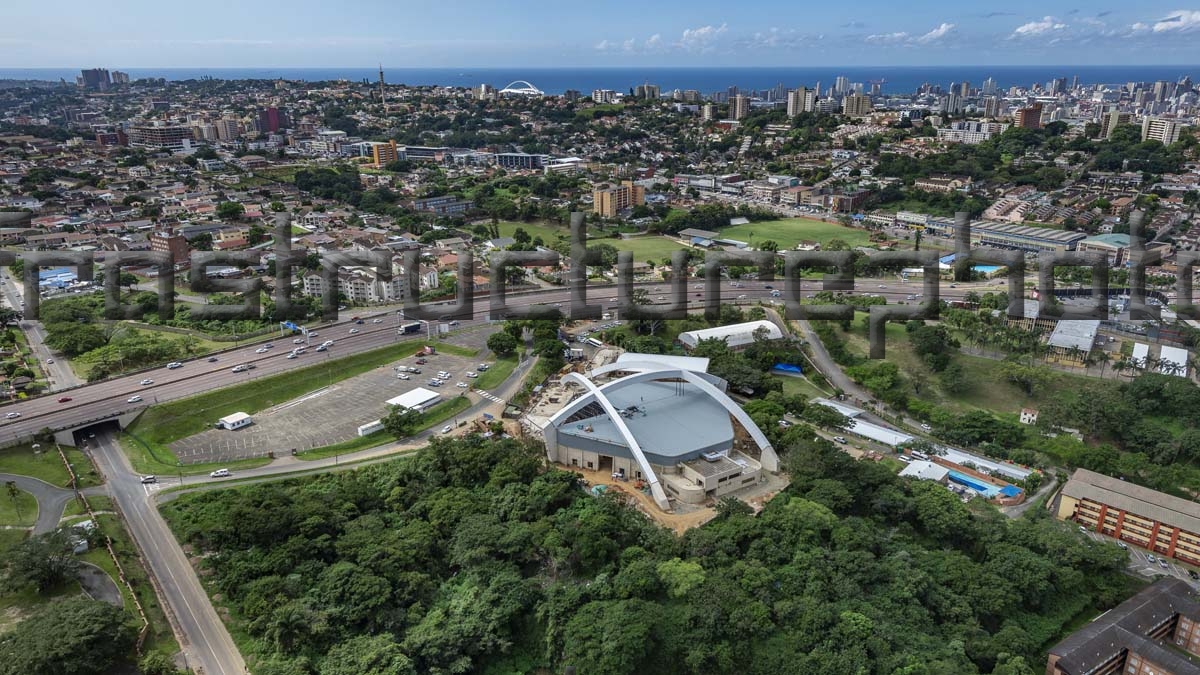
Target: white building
[
  {"x": 235, "y": 421},
  {"x": 736, "y": 335}
]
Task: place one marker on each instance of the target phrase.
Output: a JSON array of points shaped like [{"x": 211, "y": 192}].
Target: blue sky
[{"x": 474, "y": 33}]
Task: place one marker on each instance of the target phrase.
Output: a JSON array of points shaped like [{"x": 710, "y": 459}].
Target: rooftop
[
  {"x": 1080, "y": 334},
  {"x": 1126, "y": 496},
  {"x": 734, "y": 335}
]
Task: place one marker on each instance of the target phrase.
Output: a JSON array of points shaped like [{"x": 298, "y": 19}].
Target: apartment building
[
  {"x": 1029, "y": 117},
  {"x": 1156, "y": 632},
  {"x": 1167, "y": 525},
  {"x": 1111, "y": 120},
  {"x": 1160, "y": 129},
  {"x": 173, "y": 137},
  {"x": 610, "y": 200},
  {"x": 858, "y": 105},
  {"x": 739, "y": 107},
  {"x": 383, "y": 154}
]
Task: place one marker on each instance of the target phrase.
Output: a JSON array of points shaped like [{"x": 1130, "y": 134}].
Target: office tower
[
  {"x": 731, "y": 92},
  {"x": 876, "y": 89},
  {"x": 1057, "y": 86},
  {"x": 485, "y": 91},
  {"x": 1161, "y": 89},
  {"x": 739, "y": 107},
  {"x": 1029, "y": 117},
  {"x": 96, "y": 78},
  {"x": 952, "y": 104},
  {"x": 1160, "y": 129},
  {"x": 1185, "y": 84},
  {"x": 965, "y": 89},
  {"x": 271, "y": 120},
  {"x": 818, "y": 89},
  {"x": 991, "y": 106},
  {"x": 1111, "y": 120},
  {"x": 841, "y": 85},
  {"x": 1074, "y": 83},
  {"x": 708, "y": 112},
  {"x": 857, "y": 105}
]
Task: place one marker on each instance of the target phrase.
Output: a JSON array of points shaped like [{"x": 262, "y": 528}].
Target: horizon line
[{"x": 583, "y": 67}]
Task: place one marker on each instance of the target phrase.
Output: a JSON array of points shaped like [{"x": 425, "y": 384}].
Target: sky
[{"x": 596, "y": 33}]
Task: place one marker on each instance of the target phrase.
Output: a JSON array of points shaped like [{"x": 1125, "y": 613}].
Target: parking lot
[
  {"x": 1139, "y": 562},
  {"x": 327, "y": 415}
]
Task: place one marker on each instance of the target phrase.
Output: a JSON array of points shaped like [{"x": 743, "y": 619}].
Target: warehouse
[
  {"x": 737, "y": 335},
  {"x": 419, "y": 399}
]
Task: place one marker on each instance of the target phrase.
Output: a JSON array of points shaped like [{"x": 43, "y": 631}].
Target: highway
[
  {"x": 108, "y": 397},
  {"x": 60, "y": 374}
]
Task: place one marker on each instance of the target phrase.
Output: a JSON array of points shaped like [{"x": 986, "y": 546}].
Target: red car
[
  {"x": 64, "y": 399},
  {"x": 421, "y": 362}
]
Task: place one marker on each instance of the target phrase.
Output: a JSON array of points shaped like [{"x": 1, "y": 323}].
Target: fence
[{"x": 145, "y": 629}]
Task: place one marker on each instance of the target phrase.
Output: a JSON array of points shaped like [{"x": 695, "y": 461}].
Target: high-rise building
[
  {"x": 1029, "y": 117},
  {"x": 228, "y": 129},
  {"x": 857, "y": 105},
  {"x": 383, "y": 154},
  {"x": 1162, "y": 91},
  {"x": 603, "y": 95},
  {"x": 96, "y": 78},
  {"x": 841, "y": 85},
  {"x": 708, "y": 112},
  {"x": 739, "y": 107},
  {"x": 991, "y": 106},
  {"x": 647, "y": 91},
  {"x": 271, "y": 120},
  {"x": 1056, "y": 86},
  {"x": 173, "y": 137},
  {"x": 119, "y": 77},
  {"x": 164, "y": 241},
  {"x": 1111, "y": 120},
  {"x": 691, "y": 96},
  {"x": 1160, "y": 129},
  {"x": 964, "y": 89},
  {"x": 800, "y": 100},
  {"x": 610, "y": 200}
]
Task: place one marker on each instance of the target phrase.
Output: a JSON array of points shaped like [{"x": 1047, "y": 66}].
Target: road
[
  {"x": 59, "y": 371},
  {"x": 203, "y": 637},
  {"x": 51, "y": 500}
]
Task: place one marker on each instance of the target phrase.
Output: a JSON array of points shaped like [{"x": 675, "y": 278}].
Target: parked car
[
  {"x": 472, "y": 374},
  {"x": 1123, "y": 545},
  {"x": 1163, "y": 564},
  {"x": 420, "y": 362},
  {"x": 1192, "y": 574},
  {"x": 149, "y": 479},
  {"x": 462, "y": 385},
  {"x": 452, "y": 323},
  {"x": 64, "y": 399},
  {"x": 483, "y": 367},
  {"x": 1152, "y": 559},
  {"x": 403, "y": 376},
  {"x": 134, "y": 399},
  {"x": 841, "y": 440},
  {"x": 220, "y": 473},
  {"x": 146, "y": 382}
]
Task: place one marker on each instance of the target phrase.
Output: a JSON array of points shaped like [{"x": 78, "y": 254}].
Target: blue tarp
[
  {"x": 1010, "y": 491},
  {"x": 788, "y": 368}
]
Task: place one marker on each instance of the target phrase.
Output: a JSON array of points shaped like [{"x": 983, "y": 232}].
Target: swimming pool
[{"x": 986, "y": 489}]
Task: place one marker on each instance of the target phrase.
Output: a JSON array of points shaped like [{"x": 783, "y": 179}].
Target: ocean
[{"x": 897, "y": 79}]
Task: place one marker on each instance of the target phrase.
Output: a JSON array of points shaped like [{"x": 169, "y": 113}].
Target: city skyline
[{"x": 311, "y": 34}]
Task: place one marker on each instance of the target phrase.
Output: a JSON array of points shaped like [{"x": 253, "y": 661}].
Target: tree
[
  {"x": 43, "y": 561},
  {"x": 14, "y": 494},
  {"x": 75, "y": 338},
  {"x": 367, "y": 655},
  {"x": 157, "y": 663},
  {"x": 680, "y": 577},
  {"x": 402, "y": 422},
  {"x": 502, "y": 344},
  {"x": 77, "y": 636},
  {"x": 230, "y": 211},
  {"x": 1029, "y": 378}
]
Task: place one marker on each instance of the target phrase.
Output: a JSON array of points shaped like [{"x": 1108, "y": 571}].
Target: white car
[
  {"x": 173, "y": 365},
  {"x": 470, "y": 374},
  {"x": 292, "y": 355},
  {"x": 261, "y": 350},
  {"x": 49, "y": 361},
  {"x": 220, "y": 473},
  {"x": 327, "y": 343},
  {"x": 462, "y": 385},
  {"x": 447, "y": 429},
  {"x": 146, "y": 382},
  {"x": 403, "y": 376},
  {"x": 353, "y": 331},
  {"x": 312, "y": 334},
  {"x": 376, "y": 320},
  {"x": 12, "y": 416},
  {"x": 149, "y": 479},
  {"x": 134, "y": 399},
  {"x": 926, "y": 427},
  {"x": 298, "y": 341}
]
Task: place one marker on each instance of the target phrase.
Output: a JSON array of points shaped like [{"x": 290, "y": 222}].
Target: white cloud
[
  {"x": 1036, "y": 28},
  {"x": 655, "y": 42},
  {"x": 629, "y": 45},
  {"x": 701, "y": 39},
  {"x": 936, "y": 34},
  {"x": 603, "y": 45},
  {"x": 887, "y": 38},
  {"x": 1179, "y": 21}
]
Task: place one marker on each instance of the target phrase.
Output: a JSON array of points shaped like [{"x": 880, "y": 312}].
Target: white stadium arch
[{"x": 522, "y": 88}]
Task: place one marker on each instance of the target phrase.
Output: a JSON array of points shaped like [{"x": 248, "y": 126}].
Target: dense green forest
[{"x": 473, "y": 557}]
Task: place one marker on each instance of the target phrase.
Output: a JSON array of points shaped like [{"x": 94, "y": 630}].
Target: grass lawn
[
  {"x": 45, "y": 465},
  {"x": 434, "y": 416},
  {"x": 547, "y": 231},
  {"x": 986, "y": 390},
  {"x": 447, "y": 348},
  {"x": 790, "y": 231},
  {"x": 793, "y": 386},
  {"x": 496, "y": 373},
  {"x": 20, "y": 511},
  {"x": 160, "y": 637},
  {"x": 9, "y": 539}
]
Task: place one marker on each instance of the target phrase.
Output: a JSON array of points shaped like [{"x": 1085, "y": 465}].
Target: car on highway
[
  {"x": 12, "y": 416},
  {"x": 220, "y": 473},
  {"x": 213, "y": 359},
  {"x": 353, "y": 331},
  {"x": 298, "y": 341},
  {"x": 376, "y": 320},
  {"x": 146, "y": 382},
  {"x": 240, "y": 368},
  {"x": 447, "y": 429},
  {"x": 261, "y": 350},
  {"x": 403, "y": 376},
  {"x": 452, "y": 323},
  {"x": 292, "y": 355},
  {"x": 322, "y": 348},
  {"x": 64, "y": 399},
  {"x": 134, "y": 399},
  {"x": 360, "y": 322},
  {"x": 327, "y": 343},
  {"x": 149, "y": 479},
  {"x": 741, "y": 297},
  {"x": 312, "y": 334},
  {"x": 173, "y": 365}
]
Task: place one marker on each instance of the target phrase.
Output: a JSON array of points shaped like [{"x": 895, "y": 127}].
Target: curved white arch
[
  {"x": 641, "y": 367},
  {"x": 770, "y": 460},
  {"x": 526, "y": 88},
  {"x": 594, "y": 393}
]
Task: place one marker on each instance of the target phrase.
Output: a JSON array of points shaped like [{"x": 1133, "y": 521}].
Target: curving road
[{"x": 51, "y": 500}]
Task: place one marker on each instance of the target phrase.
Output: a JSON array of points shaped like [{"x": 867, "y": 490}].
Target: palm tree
[{"x": 1103, "y": 357}]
